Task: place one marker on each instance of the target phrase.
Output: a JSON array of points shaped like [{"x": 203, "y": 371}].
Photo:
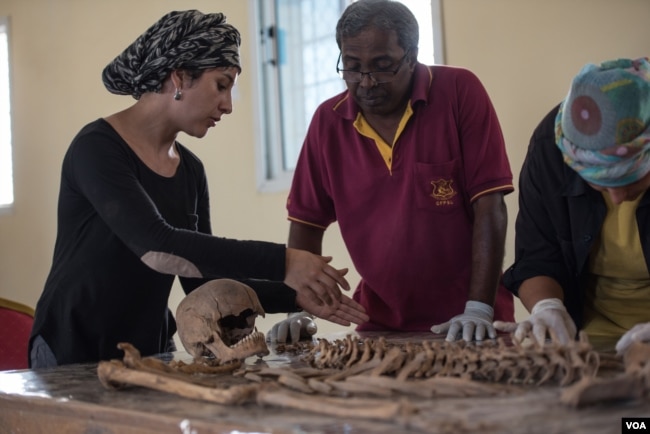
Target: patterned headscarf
[
  {"x": 603, "y": 126},
  {"x": 179, "y": 40}
]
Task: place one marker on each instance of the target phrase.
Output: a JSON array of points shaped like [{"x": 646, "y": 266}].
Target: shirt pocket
[{"x": 437, "y": 187}]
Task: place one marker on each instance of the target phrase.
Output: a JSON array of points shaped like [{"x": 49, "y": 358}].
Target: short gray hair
[{"x": 382, "y": 14}]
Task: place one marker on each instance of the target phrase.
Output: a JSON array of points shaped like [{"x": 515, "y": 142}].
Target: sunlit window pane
[
  {"x": 422, "y": 11},
  {"x": 6, "y": 169},
  {"x": 306, "y": 47}
]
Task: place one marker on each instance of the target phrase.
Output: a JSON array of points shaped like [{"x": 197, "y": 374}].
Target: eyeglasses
[{"x": 377, "y": 77}]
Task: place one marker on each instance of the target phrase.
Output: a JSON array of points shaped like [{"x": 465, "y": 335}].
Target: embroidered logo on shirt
[{"x": 443, "y": 191}]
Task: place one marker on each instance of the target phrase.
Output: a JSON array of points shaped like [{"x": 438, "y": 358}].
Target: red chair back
[{"x": 15, "y": 326}]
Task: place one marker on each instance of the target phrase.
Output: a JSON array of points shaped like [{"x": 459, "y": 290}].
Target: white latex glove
[
  {"x": 475, "y": 323},
  {"x": 548, "y": 317},
  {"x": 640, "y": 333},
  {"x": 297, "y": 325}
]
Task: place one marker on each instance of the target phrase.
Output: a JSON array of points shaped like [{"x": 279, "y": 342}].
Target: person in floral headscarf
[{"x": 583, "y": 230}]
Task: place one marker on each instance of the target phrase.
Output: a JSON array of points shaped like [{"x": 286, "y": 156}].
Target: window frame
[{"x": 5, "y": 208}]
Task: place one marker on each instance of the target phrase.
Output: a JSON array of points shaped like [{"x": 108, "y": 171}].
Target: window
[
  {"x": 6, "y": 169},
  {"x": 297, "y": 60}
]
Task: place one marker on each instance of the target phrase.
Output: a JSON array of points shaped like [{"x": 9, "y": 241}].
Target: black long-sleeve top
[{"x": 123, "y": 234}]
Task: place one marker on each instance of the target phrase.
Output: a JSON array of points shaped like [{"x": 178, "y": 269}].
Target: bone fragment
[
  {"x": 199, "y": 367},
  {"x": 390, "y": 363},
  {"x": 355, "y": 370},
  {"x": 594, "y": 390},
  {"x": 361, "y": 388},
  {"x": 114, "y": 374},
  {"x": 295, "y": 382},
  {"x": 133, "y": 360},
  {"x": 366, "y": 408},
  {"x": 414, "y": 388},
  {"x": 320, "y": 386},
  {"x": 253, "y": 377}
]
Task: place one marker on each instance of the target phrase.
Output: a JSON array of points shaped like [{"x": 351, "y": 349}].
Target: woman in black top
[{"x": 134, "y": 212}]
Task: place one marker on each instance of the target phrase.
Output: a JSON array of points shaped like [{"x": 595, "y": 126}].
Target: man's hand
[
  {"x": 474, "y": 323},
  {"x": 312, "y": 276},
  {"x": 638, "y": 333},
  {"x": 298, "y": 325},
  {"x": 548, "y": 317}
]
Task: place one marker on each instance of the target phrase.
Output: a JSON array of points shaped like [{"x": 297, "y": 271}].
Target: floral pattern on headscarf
[{"x": 603, "y": 125}]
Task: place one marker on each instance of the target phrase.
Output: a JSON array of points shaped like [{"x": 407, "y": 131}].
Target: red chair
[{"x": 15, "y": 326}]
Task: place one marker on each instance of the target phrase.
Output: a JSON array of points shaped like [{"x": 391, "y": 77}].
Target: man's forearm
[{"x": 488, "y": 247}]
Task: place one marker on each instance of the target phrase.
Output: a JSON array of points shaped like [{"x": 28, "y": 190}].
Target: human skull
[{"x": 218, "y": 319}]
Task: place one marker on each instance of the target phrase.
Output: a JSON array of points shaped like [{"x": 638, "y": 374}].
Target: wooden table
[{"x": 70, "y": 399}]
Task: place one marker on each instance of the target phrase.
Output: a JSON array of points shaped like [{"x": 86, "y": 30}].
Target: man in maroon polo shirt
[{"x": 411, "y": 162}]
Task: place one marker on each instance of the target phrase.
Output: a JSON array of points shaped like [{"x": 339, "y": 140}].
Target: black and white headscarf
[{"x": 179, "y": 40}]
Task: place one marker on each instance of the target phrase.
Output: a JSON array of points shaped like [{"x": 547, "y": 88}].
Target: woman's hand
[
  {"x": 348, "y": 311},
  {"x": 638, "y": 333},
  {"x": 312, "y": 277},
  {"x": 548, "y": 318}
]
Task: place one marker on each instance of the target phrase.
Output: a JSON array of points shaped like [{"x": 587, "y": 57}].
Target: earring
[{"x": 177, "y": 94}]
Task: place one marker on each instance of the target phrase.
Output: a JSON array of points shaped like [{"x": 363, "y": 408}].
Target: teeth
[
  {"x": 253, "y": 344},
  {"x": 253, "y": 338}
]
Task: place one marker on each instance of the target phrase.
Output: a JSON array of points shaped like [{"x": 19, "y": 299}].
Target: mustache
[{"x": 370, "y": 93}]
